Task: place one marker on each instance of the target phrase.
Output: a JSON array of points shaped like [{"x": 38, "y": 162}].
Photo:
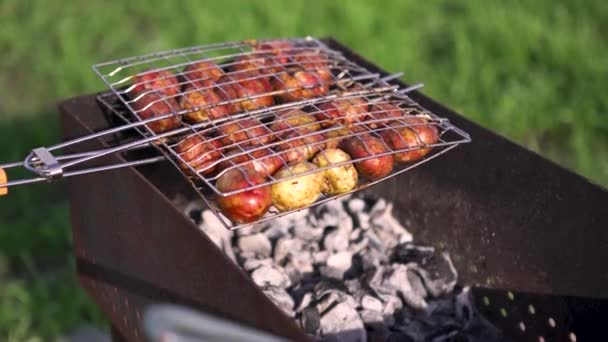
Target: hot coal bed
[{"x": 348, "y": 270}]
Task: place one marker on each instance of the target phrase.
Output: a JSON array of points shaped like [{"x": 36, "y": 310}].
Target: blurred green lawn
[{"x": 534, "y": 71}]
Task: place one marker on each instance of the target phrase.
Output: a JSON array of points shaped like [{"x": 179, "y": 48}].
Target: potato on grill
[
  {"x": 365, "y": 147},
  {"x": 246, "y": 132},
  {"x": 298, "y": 146},
  {"x": 203, "y": 105},
  {"x": 292, "y": 120},
  {"x": 335, "y": 135},
  {"x": 314, "y": 61},
  {"x": 264, "y": 65},
  {"x": 280, "y": 49},
  {"x": 261, "y": 159},
  {"x": 247, "y": 206},
  {"x": 199, "y": 153},
  {"x": 152, "y": 105},
  {"x": 338, "y": 179},
  {"x": 248, "y": 93},
  {"x": 297, "y": 192},
  {"x": 161, "y": 81},
  {"x": 400, "y": 135},
  {"x": 202, "y": 71},
  {"x": 298, "y": 84},
  {"x": 345, "y": 112},
  {"x": 383, "y": 113}
]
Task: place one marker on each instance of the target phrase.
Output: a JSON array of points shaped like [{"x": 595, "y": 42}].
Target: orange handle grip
[{"x": 3, "y": 180}]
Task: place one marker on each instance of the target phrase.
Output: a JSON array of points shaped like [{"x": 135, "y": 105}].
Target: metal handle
[{"x": 49, "y": 167}]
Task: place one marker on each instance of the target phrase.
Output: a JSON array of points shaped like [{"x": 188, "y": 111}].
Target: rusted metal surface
[
  {"x": 510, "y": 218},
  {"x": 131, "y": 240}
]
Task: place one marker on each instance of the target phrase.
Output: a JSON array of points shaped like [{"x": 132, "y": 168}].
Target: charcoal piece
[
  {"x": 257, "y": 244},
  {"x": 327, "y": 286},
  {"x": 320, "y": 257},
  {"x": 341, "y": 322},
  {"x": 388, "y": 238},
  {"x": 308, "y": 232},
  {"x": 252, "y": 264},
  {"x": 378, "y": 207},
  {"x": 304, "y": 302},
  {"x": 371, "y": 303},
  {"x": 336, "y": 265},
  {"x": 345, "y": 223},
  {"x": 353, "y": 286},
  {"x": 409, "y": 253},
  {"x": 215, "y": 230},
  {"x": 374, "y": 242},
  {"x": 387, "y": 222},
  {"x": 310, "y": 320},
  {"x": 270, "y": 276},
  {"x": 395, "y": 277},
  {"x": 299, "y": 265},
  {"x": 336, "y": 240},
  {"x": 416, "y": 283},
  {"x": 356, "y": 205},
  {"x": 281, "y": 298},
  {"x": 391, "y": 304},
  {"x": 253, "y": 229},
  {"x": 438, "y": 274},
  {"x": 286, "y": 247}
]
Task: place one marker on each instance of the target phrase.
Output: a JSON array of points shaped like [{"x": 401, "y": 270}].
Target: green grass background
[{"x": 535, "y": 71}]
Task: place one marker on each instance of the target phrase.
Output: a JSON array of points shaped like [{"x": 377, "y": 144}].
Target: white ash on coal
[{"x": 348, "y": 270}]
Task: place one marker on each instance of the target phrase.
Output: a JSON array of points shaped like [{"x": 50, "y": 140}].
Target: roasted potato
[
  {"x": 338, "y": 179},
  {"x": 297, "y": 192}
]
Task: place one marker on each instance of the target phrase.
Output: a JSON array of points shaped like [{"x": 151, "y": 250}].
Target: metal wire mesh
[{"x": 265, "y": 105}]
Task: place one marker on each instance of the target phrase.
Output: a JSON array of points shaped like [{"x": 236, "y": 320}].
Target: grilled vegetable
[
  {"x": 151, "y": 105},
  {"x": 161, "y": 81},
  {"x": 366, "y": 146},
  {"x": 247, "y": 206},
  {"x": 339, "y": 179},
  {"x": 298, "y": 192},
  {"x": 419, "y": 135},
  {"x": 199, "y": 153}
]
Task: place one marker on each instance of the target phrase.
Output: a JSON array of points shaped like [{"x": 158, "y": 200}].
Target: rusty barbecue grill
[
  {"x": 205, "y": 135},
  {"x": 527, "y": 236}
]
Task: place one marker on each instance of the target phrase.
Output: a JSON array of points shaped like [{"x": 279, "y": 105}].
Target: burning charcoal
[
  {"x": 396, "y": 278},
  {"x": 257, "y": 244},
  {"x": 251, "y": 264},
  {"x": 270, "y": 276},
  {"x": 250, "y": 230},
  {"x": 217, "y": 233},
  {"x": 356, "y": 205},
  {"x": 337, "y": 264},
  {"x": 374, "y": 241},
  {"x": 278, "y": 228},
  {"x": 416, "y": 283},
  {"x": 371, "y": 303},
  {"x": 305, "y": 302},
  {"x": 320, "y": 257},
  {"x": 392, "y": 304},
  {"x": 385, "y": 221},
  {"x": 378, "y": 208},
  {"x": 339, "y": 319},
  {"x": 308, "y": 233},
  {"x": 281, "y": 298},
  {"x": 310, "y": 320},
  {"x": 336, "y": 240},
  {"x": 436, "y": 269},
  {"x": 286, "y": 247},
  {"x": 299, "y": 265},
  {"x": 328, "y": 286},
  {"x": 407, "y": 252}
]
